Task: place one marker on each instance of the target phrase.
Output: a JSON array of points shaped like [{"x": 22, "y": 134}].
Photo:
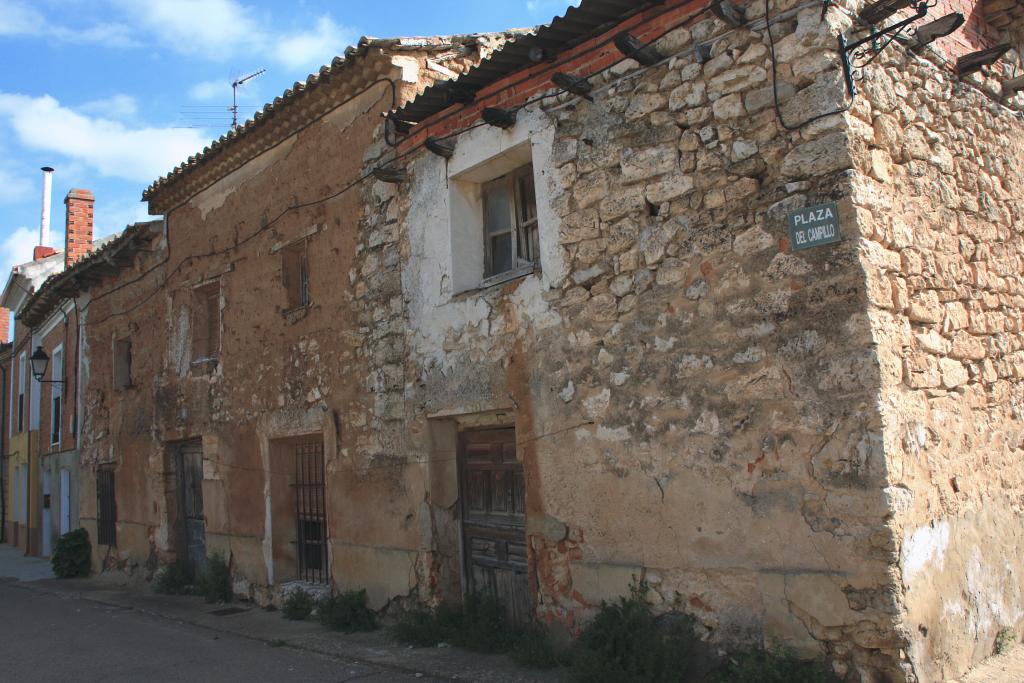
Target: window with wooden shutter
[
  {"x": 295, "y": 274},
  {"x": 206, "y": 322}
]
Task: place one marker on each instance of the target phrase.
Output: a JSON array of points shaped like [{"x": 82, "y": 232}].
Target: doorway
[
  {"x": 190, "y": 523},
  {"x": 493, "y": 493}
]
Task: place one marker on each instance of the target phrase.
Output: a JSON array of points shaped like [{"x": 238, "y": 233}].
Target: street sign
[{"x": 813, "y": 226}]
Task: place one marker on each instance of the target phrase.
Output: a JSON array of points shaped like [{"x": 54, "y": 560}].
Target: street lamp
[{"x": 39, "y": 361}]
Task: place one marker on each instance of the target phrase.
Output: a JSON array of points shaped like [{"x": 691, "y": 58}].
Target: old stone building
[
  {"x": 615, "y": 362},
  {"x": 221, "y": 366},
  {"x": 540, "y": 342}
]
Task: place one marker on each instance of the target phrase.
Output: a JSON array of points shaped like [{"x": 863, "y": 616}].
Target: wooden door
[
  {"x": 191, "y": 522},
  {"x": 493, "y": 493}
]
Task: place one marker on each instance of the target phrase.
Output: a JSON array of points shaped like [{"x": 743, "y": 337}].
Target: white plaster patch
[{"x": 927, "y": 545}]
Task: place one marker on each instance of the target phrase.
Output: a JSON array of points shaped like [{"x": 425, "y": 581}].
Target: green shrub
[
  {"x": 418, "y": 627},
  {"x": 347, "y": 612},
  {"x": 172, "y": 580},
  {"x": 298, "y": 605},
  {"x": 765, "y": 666},
  {"x": 214, "y": 584},
  {"x": 625, "y": 642},
  {"x": 1004, "y": 639},
  {"x": 478, "y": 625},
  {"x": 534, "y": 648},
  {"x": 72, "y": 555}
]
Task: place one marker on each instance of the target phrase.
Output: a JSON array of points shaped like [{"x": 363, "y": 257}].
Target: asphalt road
[{"x": 49, "y": 638}]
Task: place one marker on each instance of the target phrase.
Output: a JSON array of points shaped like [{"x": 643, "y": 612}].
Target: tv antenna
[{"x": 234, "y": 94}]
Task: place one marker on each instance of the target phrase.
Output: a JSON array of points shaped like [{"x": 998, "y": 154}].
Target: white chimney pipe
[{"x": 44, "y": 221}]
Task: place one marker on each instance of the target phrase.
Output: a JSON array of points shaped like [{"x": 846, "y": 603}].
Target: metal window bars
[{"x": 310, "y": 513}]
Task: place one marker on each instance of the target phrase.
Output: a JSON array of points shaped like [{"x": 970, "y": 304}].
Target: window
[
  {"x": 56, "y": 393},
  {"x": 206, "y": 322},
  {"x": 22, "y": 370},
  {"x": 295, "y": 274},
  {"x": 122, "y": 363},
  {"x": 510, "y": 223},
  {"x": 106, "y": 508}
]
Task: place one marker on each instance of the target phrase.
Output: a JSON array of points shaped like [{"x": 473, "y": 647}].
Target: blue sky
[{"x": 105, "y": 91}]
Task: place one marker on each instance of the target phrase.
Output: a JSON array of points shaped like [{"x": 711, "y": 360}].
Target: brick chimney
[
  {"x": 42, "y": 252},
  {"x": 5, "y": 325},
  {"x": 78, "y": 229}
]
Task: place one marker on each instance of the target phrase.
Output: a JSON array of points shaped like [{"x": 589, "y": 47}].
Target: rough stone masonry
[{"x": 819, "y": 450}]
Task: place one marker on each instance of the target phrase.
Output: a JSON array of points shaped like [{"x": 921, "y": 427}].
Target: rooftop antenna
[{"x": 234, "y": 94}]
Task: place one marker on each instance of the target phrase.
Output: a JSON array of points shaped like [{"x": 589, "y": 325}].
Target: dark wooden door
[
  {"x": 191, "y": 522},
  {"x": 494, "y": 519}
]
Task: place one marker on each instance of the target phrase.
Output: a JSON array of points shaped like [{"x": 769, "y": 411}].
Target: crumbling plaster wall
[
  {"x": 280, "y": 373},
  {"x": 693, "y": 402},
  {"x": 941, "y": 170}
]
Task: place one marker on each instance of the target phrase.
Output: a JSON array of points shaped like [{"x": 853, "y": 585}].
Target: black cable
[{"x": 775, "y": 86}]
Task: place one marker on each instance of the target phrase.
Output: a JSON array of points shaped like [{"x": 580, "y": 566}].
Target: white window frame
[{"x": 56, "y": 393}]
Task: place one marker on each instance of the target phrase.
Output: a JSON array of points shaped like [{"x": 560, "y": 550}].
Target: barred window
[{"x": 106, "y": 508}]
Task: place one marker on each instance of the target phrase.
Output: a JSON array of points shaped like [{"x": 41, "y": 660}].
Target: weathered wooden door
[
  {"x": 494, "y": 519},
  {"x": 191, "y": 522}
]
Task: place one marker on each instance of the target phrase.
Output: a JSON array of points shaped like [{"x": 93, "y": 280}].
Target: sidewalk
[
  {"x": 249, "y": 621},
  {"x": 15, "y": 565}
]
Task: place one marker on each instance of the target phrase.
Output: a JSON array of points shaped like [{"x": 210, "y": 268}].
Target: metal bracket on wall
[{"x": 857, "y": 48}]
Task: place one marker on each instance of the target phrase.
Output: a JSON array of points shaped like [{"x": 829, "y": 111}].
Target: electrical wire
[{"x": 775, "y": 83}]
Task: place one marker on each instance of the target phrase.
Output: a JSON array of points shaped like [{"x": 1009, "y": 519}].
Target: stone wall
[
  {"x": 694, "y": 402},
  {"x": 941, "y": 182}
]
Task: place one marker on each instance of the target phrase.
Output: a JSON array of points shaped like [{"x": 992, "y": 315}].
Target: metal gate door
[
  {"x": 310, "y": 512},
  {"x": 191, "y": 522},
  {"x": 494, "y": 519}
]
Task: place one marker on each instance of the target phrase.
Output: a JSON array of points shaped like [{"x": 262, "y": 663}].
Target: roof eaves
[
  {"x": 578, "y": 24},
  {"x": 339, "y": 68}
]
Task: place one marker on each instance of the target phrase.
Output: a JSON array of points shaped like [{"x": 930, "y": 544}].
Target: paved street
[{"x": 48, "y": 637}]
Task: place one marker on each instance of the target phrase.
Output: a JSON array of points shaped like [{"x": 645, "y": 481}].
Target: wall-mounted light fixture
[
  {"x": 973, "y": 61},
  {"x": 40, "y": 361},
  {"x": 933, "y": 30},
  {"x": 631, "y": 46},
  {"x": 390, "y": 174},
  {"x": 502, "y": 118},
  {"x": 574, "y": 84},
  {"x": 444, "y": 148},
  {"x": 870, "y": 47}
]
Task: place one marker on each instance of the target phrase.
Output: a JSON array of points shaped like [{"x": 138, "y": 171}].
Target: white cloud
[
  {"x": 221, "y": 29},
  {"x": 17, "y": 248},
  {"x": 206, "y": 91},
  {"x": 19, "y": 19},
  {"x": 116, "y": 107},
  {"x": 310, "y": 49},
  {"x": 110, "y": 147},
  {"x": 215, "y": 29}
]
